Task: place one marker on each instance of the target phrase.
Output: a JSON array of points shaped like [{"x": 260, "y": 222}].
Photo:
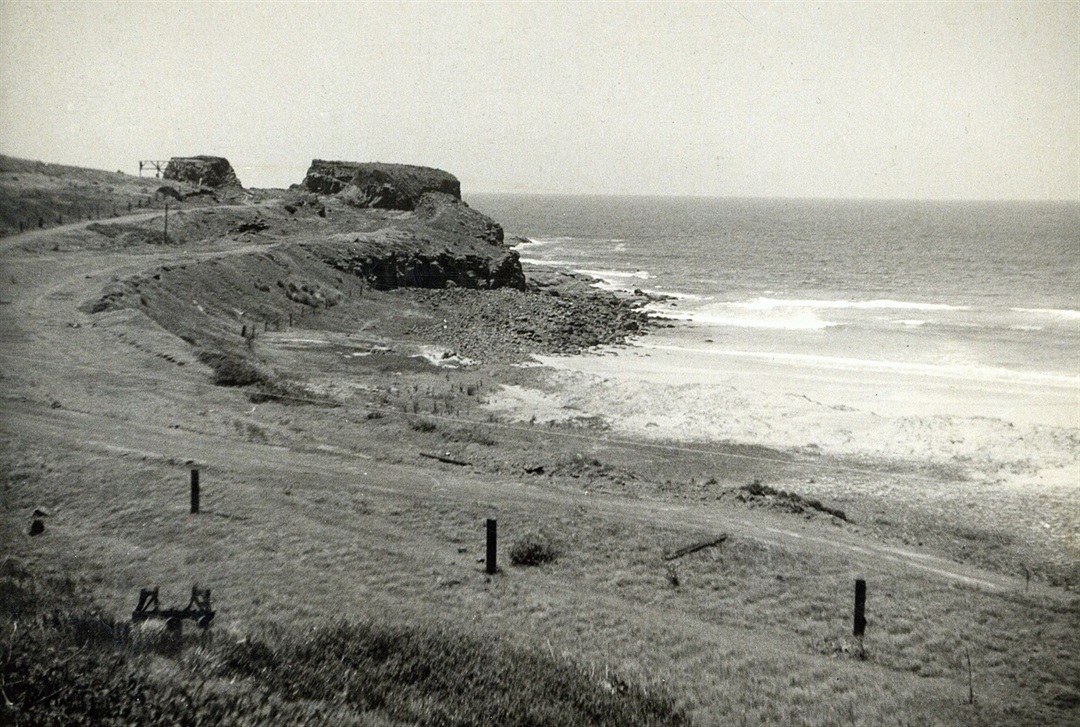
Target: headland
[{"x": 336, "y": 360}]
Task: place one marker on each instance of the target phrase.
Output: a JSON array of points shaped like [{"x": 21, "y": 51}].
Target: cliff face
[
  {"x": 204, "y": 171},
  {"x": 415, "y": 257},
  {"x": 444, "y": 243},
  {"x": 382, "y": 186}
]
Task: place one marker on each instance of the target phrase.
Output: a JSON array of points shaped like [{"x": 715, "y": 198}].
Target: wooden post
[
  {"x": 860, "y": 607},
  {"x": 166, "y": 222},
  {"x": 243, "y": 331},
  {"x": 492, "y": 568},
  {"x": 194, "y": 491}
]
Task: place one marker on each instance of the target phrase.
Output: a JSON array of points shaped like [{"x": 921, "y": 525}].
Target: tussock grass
[
  {"x": 236, "y": 370},
  {"x": 756, "y": 633},
  {"x": 231, "y": 369},
  {"x": 81, "y": 667},
  {"x": 423, "y": 425},
  {"x": 533, "y": 548}
]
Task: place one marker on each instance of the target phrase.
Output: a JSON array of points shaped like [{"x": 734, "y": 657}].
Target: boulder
[
  {"x": 202, "y": 171},
  {"x": 382, "y": 186}
]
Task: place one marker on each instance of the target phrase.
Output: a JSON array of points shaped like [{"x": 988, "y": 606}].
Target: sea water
[{"x": 925, "y": 298}]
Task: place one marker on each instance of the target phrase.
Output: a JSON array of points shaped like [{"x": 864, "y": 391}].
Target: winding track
[{"x": 114, "y": 400}]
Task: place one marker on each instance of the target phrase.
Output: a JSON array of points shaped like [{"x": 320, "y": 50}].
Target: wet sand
[{"x": 1004, "y": 457}]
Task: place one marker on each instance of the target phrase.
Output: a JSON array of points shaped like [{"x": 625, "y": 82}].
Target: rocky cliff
[
  {"x": 204, "y": 171},
  {"x": 421, "y": 257},
  {"x": 382, "y": 186},
  {"x": 450, "y": 214},
  {"x": 444, "y": 243}
]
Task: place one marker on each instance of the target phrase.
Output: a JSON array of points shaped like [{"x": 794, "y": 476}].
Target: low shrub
[
  {"x": 231, "y": 369},
  {"x": 422, "y": 425},
  {"x": 535, "y": 548}
]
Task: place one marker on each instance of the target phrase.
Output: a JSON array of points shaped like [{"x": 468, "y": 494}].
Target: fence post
[
  {"x": 194, "y": 491},
  {"x": 860, "y": 607},
  {"x": 491, "y": 549}
]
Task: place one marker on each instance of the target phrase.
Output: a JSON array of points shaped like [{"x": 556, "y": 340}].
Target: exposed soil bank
[{"x": 349, "y": 468}]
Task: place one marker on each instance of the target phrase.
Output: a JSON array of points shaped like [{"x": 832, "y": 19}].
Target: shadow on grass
[{"x": 80, "y": 667}]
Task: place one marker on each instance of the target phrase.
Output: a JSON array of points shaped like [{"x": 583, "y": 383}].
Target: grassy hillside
[
  {"x": 35, "y": 195},
  {"x": 77, "y": 666},
  {"x": 345, "y": 557}
]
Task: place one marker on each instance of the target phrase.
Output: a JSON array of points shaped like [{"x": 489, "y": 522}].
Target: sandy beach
[
  {"x": 996, "y": 453},
  {"x": 354, "y": 436}
]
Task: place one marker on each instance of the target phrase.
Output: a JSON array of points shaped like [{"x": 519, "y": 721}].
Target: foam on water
[
  {"x": 969, "y": 373},
  {"x": 805, "y": 322},
  {"x": 1068, "y": 315},
  {"x": 984, "y": 293},
  {"x": 773, "y": 303},
  {"x": 615, "y": 277}
]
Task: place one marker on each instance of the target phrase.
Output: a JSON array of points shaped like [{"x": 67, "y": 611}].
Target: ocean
[{"x": 966, "y": 308}]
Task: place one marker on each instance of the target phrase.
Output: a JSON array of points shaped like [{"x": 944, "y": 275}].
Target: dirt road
[
  {"x": 119, "y": 383},
  {"x": 308, "y": 516}
]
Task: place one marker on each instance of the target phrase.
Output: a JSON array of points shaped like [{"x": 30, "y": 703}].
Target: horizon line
[{"x": 687, "y": 195}]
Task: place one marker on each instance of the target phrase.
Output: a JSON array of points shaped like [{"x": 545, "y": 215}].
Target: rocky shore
[
  {"x": 555, "y": 315},
  {"x": 350, "y": 462}
]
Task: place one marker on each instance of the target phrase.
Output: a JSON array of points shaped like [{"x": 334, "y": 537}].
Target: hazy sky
[{"x": 910, "y": 100}]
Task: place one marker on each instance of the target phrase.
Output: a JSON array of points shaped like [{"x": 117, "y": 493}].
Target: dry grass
[
  {"x": 755, "y": 634},
  {"x": 71, "y": 666},
  {"x": 312, "y": 516}
]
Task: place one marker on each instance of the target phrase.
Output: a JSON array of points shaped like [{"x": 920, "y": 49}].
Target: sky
[{"x": 915, "y": 100}]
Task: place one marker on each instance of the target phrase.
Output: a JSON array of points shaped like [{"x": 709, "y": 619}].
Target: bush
[
  {"x": 534, "y": 548},
  {"x": 230, "y": 370}
]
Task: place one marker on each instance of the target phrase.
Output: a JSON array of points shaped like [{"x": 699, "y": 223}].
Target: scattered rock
[
  {"x": 258, "y": 224},
  {"x": 167, "y": 191},
  {"x": 758, "y": 493}
]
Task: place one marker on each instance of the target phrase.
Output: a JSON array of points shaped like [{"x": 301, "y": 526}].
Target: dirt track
[
  {"x": 121, "y": 384},
  {"x": 310, "y": 514}
]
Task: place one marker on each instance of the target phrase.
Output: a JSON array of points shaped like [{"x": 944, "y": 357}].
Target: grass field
[
  {"x": 755, "y": 632},
  {"x": 347, "y": 569}
]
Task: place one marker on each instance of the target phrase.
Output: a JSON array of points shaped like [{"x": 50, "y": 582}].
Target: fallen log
[
  {"x": 696, "y": 547},
  {"x": 447, "y": 460}
]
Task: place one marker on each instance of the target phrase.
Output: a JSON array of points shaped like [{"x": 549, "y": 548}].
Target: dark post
[
  {"x": 166, "y": 222},
  {"x": 194, "y": 491},
  {"x": 491, "y": 567},
  {"x": 860, "y": 607}
]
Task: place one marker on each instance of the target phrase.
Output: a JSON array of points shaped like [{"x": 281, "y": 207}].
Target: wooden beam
[{"x": 696, "y": 547}]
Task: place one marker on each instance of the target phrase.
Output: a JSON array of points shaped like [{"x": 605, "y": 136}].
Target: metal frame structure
[
  {"x": 157, "y": 165},
  {"x": 198, "y": 609}
]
